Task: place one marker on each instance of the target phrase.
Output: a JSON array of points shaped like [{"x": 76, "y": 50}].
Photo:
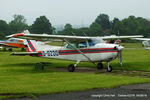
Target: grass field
[{"x": 17, "y": 75}]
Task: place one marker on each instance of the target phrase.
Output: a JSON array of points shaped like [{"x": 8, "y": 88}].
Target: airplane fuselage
[{"x": 97, "y": 53}]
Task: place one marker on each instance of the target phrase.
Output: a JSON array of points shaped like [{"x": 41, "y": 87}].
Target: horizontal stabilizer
[{"x": 24, "y": 53}]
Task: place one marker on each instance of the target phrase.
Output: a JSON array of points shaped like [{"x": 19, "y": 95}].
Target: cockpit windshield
[
  {"x": 85, "y": 44},
  {"x": 77, "y": 45},
  {"x": 96, "y": 40}
]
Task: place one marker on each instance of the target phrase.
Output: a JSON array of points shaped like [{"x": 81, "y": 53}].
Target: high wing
[
  {"x": 142, "y": 39},
  {"x": 121, "y": 37},
  {"x": 48, "y": 37},
  {"x": 62, "y": 37}
]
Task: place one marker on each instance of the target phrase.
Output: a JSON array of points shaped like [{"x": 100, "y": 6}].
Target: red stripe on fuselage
[
  {"x": 39, "y": 54},
  {"x": 87, "y": 49},
  {"x": 63, "y": 52}
]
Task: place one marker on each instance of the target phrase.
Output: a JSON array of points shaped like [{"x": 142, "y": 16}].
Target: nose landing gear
[
  {"x": 109, "y": 68},
  {"x": 100, "y": 66}
]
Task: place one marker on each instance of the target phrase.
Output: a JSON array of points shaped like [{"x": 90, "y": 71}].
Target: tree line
[
  {"x": 18, "y": 24},
  {"x": 101, "y": 26}
]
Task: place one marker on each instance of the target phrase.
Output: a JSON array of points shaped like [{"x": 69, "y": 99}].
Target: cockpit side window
[
  {"x": 70, "y": 47},
  {"x": 82, "y": 45},
  {"x": 77, "y": 45}
]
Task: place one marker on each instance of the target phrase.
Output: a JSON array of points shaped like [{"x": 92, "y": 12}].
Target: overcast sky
[{"x": 75, "y": 12}]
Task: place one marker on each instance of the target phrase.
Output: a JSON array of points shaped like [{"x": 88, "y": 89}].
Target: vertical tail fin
[
  {"x": 35, "y": 46},
  {"x": 25, "y": 32},
  {"x": 32, "y": 46}
]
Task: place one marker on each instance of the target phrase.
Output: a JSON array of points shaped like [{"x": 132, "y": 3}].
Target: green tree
[
  {"x": 131, "y": 25},
  {"x": 41, "y": 25},
  {"x": 115, "y": 20},
  {"x": 95, "y": 29},
  {"x": 103, "y": 20},
  {"x": 83, "y": 31},
  {"x": 18, "y": 24},
  {"x": 68, "y": 27},
  {"x": 67, "y": 30},
  {"x": 4, "y": 29},
  {"x": 144, "y": 26},
  {"x": 118, "y": 27}
]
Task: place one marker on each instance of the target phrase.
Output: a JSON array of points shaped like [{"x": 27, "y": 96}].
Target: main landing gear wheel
[
  {"x": 71, "y": 68},
  {"x": 4, "y": 49},
  {"x": 10, "y": 49},
  {"x": 109, "y": 68},
  {"x": 100, "y": 66},
  {"x": 39, "y": 66}
]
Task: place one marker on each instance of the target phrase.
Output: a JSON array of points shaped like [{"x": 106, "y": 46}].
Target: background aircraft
[
  {"x": 78, "y": 48},
  {"x": 12, "y": 43},
  {"x": 145, "y": 42}
]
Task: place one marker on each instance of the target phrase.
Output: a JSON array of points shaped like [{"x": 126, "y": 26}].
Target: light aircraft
[
  {"x": 78, "y": 48},
  {"x": 145, "y": 42},
  {"x": 12, "y": 43}
]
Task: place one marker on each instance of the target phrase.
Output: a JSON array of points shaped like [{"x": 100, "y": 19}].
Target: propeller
[
  {"x": 119, "y": 50},
  {"x": 120, "y": 57},
  {"x": 120, "y": 54}
]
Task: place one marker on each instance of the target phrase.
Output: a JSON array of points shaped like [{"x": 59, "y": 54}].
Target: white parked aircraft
[
  {"x": 145, "y": 42},
  {"x": 78, "y": 48}
]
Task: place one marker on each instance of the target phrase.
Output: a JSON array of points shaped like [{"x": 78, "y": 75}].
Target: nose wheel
[{"x": 109, "y": 68}]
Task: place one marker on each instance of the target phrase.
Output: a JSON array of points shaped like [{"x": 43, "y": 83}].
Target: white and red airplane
[{"x": 78, "y": 48}]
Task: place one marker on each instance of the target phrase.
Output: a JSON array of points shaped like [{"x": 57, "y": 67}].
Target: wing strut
[{"x": 79, "y": 51}]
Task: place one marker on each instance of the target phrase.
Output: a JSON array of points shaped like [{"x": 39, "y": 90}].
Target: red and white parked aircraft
[{"x": 78, "y": 48}]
